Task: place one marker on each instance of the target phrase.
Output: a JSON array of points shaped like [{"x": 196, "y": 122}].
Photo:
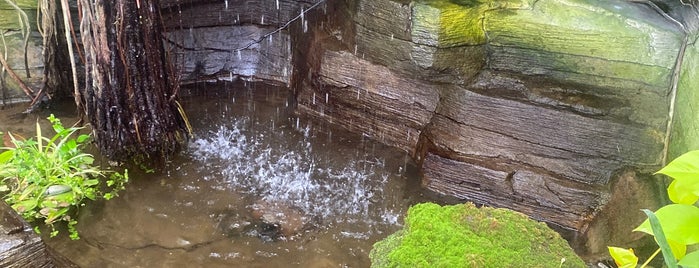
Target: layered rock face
[
  {"x": 514, "y": 104},
  {"x": 558, "y": 109},
  {"x": 230, "y": 39}
]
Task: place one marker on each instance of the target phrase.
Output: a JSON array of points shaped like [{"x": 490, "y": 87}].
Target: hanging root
[{"x": 185, "y": 119}]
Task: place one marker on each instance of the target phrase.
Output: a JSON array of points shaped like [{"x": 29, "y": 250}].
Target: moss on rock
[{"x": 466, "y": 236}]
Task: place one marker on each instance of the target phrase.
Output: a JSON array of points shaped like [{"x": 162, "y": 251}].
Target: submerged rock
[
  {"x": 278, "y": 219},
  {"x": 466, "y": 236}
]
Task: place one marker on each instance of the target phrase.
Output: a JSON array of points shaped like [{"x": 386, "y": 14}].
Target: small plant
[
  {"x": 49, "y": 178},
  {"x": 674, "y": 226}
]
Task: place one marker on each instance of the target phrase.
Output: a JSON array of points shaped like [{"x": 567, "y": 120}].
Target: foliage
[
  {"x": 49, "y": 178},
  {"x": 675, "y": 226},
  {"x": 466, "y": 236}
]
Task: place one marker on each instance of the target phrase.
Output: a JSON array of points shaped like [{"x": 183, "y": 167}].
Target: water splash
[{"x": 293, "y": 174}]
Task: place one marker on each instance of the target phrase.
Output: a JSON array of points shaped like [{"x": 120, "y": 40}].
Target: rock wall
[
  {"x": 21, "y": 247},
  {"x": 229, "y": 39},
  {"x": 558, "y": 109},
  {"x": 553, "y": 108}
]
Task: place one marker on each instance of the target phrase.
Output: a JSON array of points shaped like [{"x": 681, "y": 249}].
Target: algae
[
  {"x": 466, "y": 236},
  {"x": 685, "y": 128}
]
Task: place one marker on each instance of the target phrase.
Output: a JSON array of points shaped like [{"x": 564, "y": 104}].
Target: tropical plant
[
  {"x": 49, "y": 178},
  {"x": 674, "y": 226}
]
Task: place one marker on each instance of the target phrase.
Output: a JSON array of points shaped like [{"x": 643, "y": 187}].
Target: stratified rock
[
  {"x": 224, "y": 53},
  {"x": 369, "y": 99},
  {"x": 21, "y": 247},
  {"x": 518, "y": 104},
  {"x": 613, "y": 44}
]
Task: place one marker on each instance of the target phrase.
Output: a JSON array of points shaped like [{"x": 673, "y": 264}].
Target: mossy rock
[{"x": 466, "y": 236}]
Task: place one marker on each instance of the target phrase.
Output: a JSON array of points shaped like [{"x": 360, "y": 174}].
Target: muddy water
[{"x": 344, "y": 192}]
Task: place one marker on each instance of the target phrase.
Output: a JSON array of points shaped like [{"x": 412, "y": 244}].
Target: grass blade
[{"x": 670, "y": 260}]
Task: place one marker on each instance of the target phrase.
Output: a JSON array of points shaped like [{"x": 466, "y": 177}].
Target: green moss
[
  {"x": 450, "y": 23},
  {"x": 685, "y": 129},
  {"x": 612, "y": 43},
  {"x": 466, "y": 236}
]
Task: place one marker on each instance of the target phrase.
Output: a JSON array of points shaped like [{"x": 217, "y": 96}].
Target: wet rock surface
[
  {"x": 20, "y": 246},
  {"x": 506, "y": 104},
  {"x": 498, "y": 112},
  {"x": 278, "y": 219}
]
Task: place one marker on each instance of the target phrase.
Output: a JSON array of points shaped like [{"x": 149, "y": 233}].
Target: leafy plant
[
  {"x": 49, "y": 178},
  {"x": 674, "y": 226}
]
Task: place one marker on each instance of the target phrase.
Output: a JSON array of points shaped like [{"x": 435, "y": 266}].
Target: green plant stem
[{"x": 650, "y": 258}]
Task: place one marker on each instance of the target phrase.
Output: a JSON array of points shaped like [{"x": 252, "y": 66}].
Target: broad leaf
[
  {"x": 691, "y": 260},
  {"x": 683, "y": 192},
  {"x": 679, "y": 223},
  {"x": 624, "y": 258},
  {"x": 685, "y": 170},
  {"x": 6, "y": 156},
  {"x": 684, "y": 167}
]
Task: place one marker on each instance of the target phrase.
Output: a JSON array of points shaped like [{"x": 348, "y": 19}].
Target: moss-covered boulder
[{"x": 466, "y": 236}]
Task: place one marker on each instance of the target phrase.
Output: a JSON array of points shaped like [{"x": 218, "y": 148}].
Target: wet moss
[
  {"x": 467, "y": 236},
  {"x": 449, "y": 23}
]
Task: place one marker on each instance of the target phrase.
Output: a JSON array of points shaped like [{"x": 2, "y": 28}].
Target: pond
[{"x": 256, "y": 187}]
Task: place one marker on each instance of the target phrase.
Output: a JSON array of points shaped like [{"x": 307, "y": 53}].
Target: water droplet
[
  {"x": 305, "y": 26},
  {"x": 226, "y": 4},
  {"x": 314, "y": 98},
  {"x": 240, "y": 56},
  {"x": 277, "y": 4},
  {"x": 355, "y": 49},
  {"x": 326, "y": 97},
  {"x": 391, "y": 37},
  {"x": 262, "y": 19}
]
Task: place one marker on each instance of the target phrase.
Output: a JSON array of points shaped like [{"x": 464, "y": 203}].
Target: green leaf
[
  {"x": 82, "y": 138},
  {"x": 683, "y": 167},
  {"x": 683, "y": 192},
  {"x": 685, "y": 170},
  {"x": 679, "y": 223},
  {"x": 91, "y": 182},
  {"x": 691, "y": 260},
  {"x": 668, "y": 256},
  {"x": 6, "y": 156},
  {"x": 624, "y": 258}
]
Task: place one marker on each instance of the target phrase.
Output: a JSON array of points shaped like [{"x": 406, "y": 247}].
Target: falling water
[
  {"x": 326, "y": 97},
  {"x": 199, "y": 211},
  {"x": 292, "y": 173},
  {"x": 226, "y": 1},
  {"x": 277, "y": 4},
  {"x": 262, "y": 19}
]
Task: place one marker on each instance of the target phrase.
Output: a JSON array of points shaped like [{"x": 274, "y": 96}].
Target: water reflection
[{"x": 258, "y": 187}]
